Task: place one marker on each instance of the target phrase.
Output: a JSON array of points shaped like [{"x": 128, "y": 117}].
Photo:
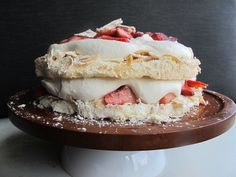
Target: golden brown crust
[{"x": 165, "y": 68}]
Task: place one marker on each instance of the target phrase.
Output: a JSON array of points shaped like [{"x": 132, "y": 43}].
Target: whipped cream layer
[
  {"x": 110, "y": 49},
  {"x": 148, "y": 90},
  {"x": 153, "y": 113}
]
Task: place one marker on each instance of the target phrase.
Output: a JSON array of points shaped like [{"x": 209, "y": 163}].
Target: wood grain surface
[
  {"x": 27, "y": 28},
  {"x": 203, "y": 123}
]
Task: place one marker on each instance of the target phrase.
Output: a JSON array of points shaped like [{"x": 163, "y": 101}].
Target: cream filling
[
  {"x": 133, "y": 112},
  {"x": 108, "y": 50},
  {"x": 148, "y": 90}
]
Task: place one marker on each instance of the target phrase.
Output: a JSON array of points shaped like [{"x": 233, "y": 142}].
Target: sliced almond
[
  {"x": 111, "y": 25},
  {"x": 141, "y": 55},
  {"x": 83, "y": 59},
  {"x": 131, "y": 29},
  {"x": 88, "y": 33},
  {"x": 173, "y": 58},
  {"x": 71, "y": 53},
  {"x": 129, "y": 59}
]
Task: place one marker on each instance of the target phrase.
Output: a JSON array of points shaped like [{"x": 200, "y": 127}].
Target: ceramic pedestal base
[{"x": 80, "y": 162}]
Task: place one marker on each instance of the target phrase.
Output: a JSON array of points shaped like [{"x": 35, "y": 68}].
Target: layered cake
[{"x": 118, "y": 73}]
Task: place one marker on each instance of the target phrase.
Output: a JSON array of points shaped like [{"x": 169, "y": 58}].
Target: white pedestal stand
[{"x": 80, "y": 162}]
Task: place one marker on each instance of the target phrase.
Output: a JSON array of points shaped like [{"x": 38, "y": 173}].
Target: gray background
[{"x": 27, "y": 28}]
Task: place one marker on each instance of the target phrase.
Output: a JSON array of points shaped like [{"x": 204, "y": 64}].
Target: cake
[{"x": 120, "y": 74}]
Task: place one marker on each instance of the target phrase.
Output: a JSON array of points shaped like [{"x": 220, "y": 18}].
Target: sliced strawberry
[
  {"x": 196, "y": 84},
  {"x": 186, "y": 90},
  {"x": 138, "y": 34},
  {"x": 159, "y": 36},
  {"x": 120, "y": 32},
  {"x": 120, "y": 96},
  {"x": 126, "y": 29},
  {"x": 122, "y": 39},
  {"x": 73, "y": 38},
  {"x": 167, "y": 98}
]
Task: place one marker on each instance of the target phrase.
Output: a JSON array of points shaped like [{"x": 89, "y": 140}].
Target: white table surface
[{"x": 22, "y": 155}]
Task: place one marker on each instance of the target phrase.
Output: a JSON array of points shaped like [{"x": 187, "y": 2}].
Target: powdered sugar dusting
[{"x": 44, "y": 116}]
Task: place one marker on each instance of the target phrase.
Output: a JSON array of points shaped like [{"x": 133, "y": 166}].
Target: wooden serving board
[{"x": 206, "y": 122}]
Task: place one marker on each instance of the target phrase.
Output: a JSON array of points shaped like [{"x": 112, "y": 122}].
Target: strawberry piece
[
  {"x": 108, "y": 32},
  {"x": 122, "y": 39},
  {"x": 122, "y": 33},
  {"x": 167, "y": 98},
  {"x": 159, "y": 36},
  {"x": 120, "y": 96},
  {"x": 73, "y": 38},
  {"x": 138, "y": 34},
  {"x": 196, "y": 84},
  {"x": 186, "y": 90}
]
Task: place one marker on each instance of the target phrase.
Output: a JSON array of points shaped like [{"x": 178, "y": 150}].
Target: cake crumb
[
  {"x": 57, "y": 118},
  {"x": 21, "y": 106}
]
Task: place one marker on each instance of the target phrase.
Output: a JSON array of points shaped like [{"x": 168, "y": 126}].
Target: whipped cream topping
[
  {"x": 148, "y": 90},
  {"x": 110, "y": 49}
]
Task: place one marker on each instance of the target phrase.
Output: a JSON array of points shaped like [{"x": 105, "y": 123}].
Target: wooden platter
[{"x": 206, "y": 122}]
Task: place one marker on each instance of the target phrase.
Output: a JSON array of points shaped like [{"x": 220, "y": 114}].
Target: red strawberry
[
  {"x": 73, "y": 38},
  {"x": 127, "y": 29},
  {"x": 138, "y": 34},
  {"x": 196, "y": 84},
  {"x": 122, "y": 33},
  {"x": 120, "y": 96},
  {"x": 167, "y": 98},
  {"x": 159, "y": 36},
  {"x": 186, "y": 90},
  {"x": 122, "y": 39}
]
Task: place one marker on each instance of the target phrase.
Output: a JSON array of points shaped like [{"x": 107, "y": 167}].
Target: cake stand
[{"x": 104, "y": 148}]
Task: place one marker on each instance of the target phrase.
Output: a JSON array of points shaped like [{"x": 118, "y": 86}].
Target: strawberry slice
[
  {"x": 122, "y": 39},
  {"x": 167, "y": 98},
  {"x": 186, "y": 90},
  {"x": 196, "y": 84},
  {"x": 73, "y": 38},
  {"x": 138, "y": 34},
  {"x": 122, "y": 33},
  {"x": 120, "y": 96},
  {"x": 159, "y": 36}
]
